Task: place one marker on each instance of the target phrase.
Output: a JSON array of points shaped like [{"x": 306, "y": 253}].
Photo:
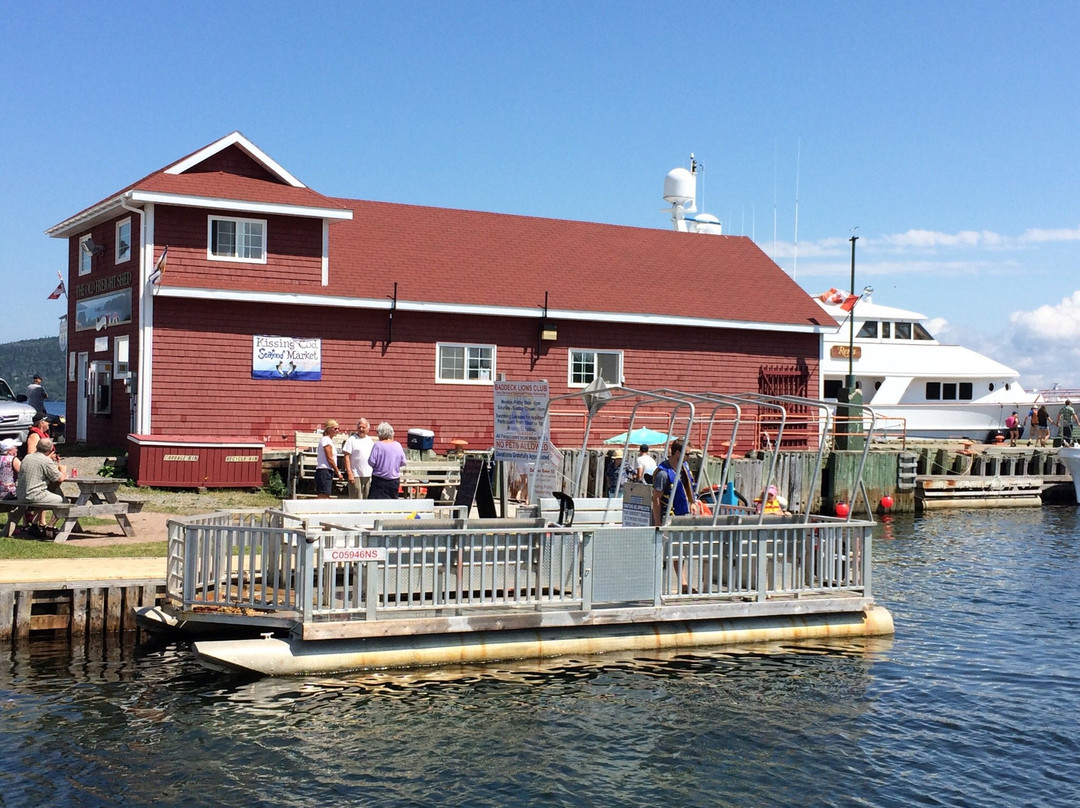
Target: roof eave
[
  {"x": 242, "y": 205},
  {"x": 83, "y": 221},
  {"x": 472, "y": 309}
]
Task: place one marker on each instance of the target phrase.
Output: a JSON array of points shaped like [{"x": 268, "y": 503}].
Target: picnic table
[{"x": 97, "y": 497}]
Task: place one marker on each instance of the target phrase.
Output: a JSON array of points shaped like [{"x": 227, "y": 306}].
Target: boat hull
[
  {"x": 1070, "y": 456},
  {"x": 294, "y": 657}
]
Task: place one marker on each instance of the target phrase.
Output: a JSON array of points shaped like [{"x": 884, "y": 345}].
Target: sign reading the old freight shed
[{"x": 286, "y": 358}]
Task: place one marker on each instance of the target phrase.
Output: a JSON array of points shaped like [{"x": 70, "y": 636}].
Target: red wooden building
[{"x": 277, "y": 307}]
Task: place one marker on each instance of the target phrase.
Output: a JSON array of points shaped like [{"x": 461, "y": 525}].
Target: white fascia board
[
  {"x": 88, "y": 218},
  {"x": 253, "y": 151},
  {"x": 214, "y": 203},
  {"x": 330, "y": 301}
]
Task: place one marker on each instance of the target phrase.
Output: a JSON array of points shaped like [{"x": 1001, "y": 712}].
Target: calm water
[{"x": 976, "y": 702}]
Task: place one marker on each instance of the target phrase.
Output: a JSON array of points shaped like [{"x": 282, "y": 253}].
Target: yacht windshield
[
  {"x": 868, "y": 330},
  {"x": 921, "y": 333},
  {"x": 903, "y": 331}
]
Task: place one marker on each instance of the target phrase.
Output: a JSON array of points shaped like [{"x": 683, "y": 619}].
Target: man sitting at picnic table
[{"x": 39, "y": 483}]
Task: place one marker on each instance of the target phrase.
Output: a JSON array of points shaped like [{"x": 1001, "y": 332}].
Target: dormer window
[{"x": 237, "y": 239}]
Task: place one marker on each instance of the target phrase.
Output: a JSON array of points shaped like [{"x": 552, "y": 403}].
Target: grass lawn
[
  {"x": 28, "y": 549},
  {"x": 155, "y": 500}
]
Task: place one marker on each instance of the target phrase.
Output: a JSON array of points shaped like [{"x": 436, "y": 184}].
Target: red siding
[
  {"x": 103, "y": 430},
  {"x": 294, "y": 253},
  {"x": 202, "y": 381},
  {"x": 176, "y": 462}
]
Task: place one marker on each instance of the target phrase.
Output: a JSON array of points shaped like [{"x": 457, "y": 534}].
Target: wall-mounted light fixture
[
  {"x": 93, "y": 249},
  {"x": 548, "y": 332}
]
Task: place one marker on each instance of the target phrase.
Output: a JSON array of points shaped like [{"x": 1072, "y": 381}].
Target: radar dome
[
  {"x": 706, "y": 223},
  {"x": 680, "y": 187}
]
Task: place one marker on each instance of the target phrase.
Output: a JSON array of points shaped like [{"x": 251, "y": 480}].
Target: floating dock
[{"x": 384, "y": 593}]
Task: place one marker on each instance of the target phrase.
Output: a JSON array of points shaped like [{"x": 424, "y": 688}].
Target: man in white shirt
[
  {"x": 356, "y": 451},
  {"x": 645, "y": 465}
]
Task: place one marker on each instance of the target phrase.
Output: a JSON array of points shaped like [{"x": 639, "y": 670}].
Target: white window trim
[
  {"x": 234, "y": 258},
  {"x": 119, "y": 258},
  {"x": 466, "y": 345},
  {"x": 121, "y": 367},
  {"x": 89, "y": 259},
  {"x": 570, "y": 366}
]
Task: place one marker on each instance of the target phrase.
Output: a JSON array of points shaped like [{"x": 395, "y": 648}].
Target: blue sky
[{"x": 946, "y": 132}]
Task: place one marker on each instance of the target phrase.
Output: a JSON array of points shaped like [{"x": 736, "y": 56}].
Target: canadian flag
[
  {"x": 59, "y": 290},
  {"x": 849, "y": 302}
]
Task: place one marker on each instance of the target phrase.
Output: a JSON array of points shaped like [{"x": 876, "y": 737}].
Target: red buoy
[
  {"x": 886, "y": 502},
  {"x": 842, "y": 509}
]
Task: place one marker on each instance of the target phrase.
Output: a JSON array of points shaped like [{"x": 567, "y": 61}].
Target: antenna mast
[{"x": 798, "y": 164}]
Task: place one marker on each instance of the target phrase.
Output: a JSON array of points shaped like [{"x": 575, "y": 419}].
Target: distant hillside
[{"x": 19, "y": 361}]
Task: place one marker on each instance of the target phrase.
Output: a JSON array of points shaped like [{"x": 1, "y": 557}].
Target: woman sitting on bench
[{"x": 39, "y": 483}]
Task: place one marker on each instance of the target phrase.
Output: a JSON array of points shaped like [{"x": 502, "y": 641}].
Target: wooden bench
[
  {"x": 69, "y": 512},
  {"x": 588, "y": 511},
  {"x": 350, "y": 514},
  {"x": 427, "y": 476}
]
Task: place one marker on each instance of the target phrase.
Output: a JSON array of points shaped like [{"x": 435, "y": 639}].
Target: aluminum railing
[
  {"x": 370, "y": 573},
  {"x": 233, "y": 563},
  {"x": 764, "y": 561}
]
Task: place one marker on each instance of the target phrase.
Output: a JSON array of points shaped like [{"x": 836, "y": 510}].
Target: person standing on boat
[
  {"x": 387, "y": 459},
  {"x": 1043, "y": 430},
  {"x": 355, "y": 453},
  {"x": 1065, "y": 419},
  {"x": 645, "y": 465},
  {"x": 667, "y": 483},
  {"x": 326, "y": 468},
  {"x": 1012, "y": 423}
]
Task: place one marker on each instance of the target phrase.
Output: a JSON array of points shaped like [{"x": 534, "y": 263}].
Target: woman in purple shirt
[{"x": 386, "y": 460}]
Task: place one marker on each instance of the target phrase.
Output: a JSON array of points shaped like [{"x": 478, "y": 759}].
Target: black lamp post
[{"x": 850, "y": 383}]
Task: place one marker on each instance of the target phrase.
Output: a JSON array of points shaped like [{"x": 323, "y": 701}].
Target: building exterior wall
[
  {"x": 293, "y": 252},
  {"x": 106, "y": 277},
  {"x": 202, "y": 365}
]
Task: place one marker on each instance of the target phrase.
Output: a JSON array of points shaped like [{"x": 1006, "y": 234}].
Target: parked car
[{"x": 16, "y": 417}]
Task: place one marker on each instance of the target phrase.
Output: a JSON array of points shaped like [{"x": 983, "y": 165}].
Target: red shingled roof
[
  {"x": 448, "y": 256},
  {"x": 458, "y": 256},
  {"x": 219, "y": 185}
]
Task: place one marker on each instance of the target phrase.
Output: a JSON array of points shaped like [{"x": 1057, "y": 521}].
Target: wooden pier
[{"x": 77, "y": 597}]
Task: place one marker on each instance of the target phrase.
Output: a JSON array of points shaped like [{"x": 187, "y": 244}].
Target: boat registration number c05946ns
[{"x": 355, "y": 554}]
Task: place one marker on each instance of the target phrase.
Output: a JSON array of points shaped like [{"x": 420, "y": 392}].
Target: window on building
[
  {"x": 868, "y": 330},
  {"x": 920, "y": 332},
  {"x": 123, "y": 241},
  {"x": 585, "y": 366},
  {"x": 933, "y": 391},
  {"x": 465, "y": 364},
  {"x": 85, "y": 256},
  {"x": 237, "y": 239}
]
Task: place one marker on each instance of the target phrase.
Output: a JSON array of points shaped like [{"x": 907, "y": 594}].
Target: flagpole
[{"x": 851, "y": 323}]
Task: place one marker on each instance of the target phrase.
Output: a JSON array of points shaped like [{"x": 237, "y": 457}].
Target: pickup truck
[{"x": 16, "y": 417}]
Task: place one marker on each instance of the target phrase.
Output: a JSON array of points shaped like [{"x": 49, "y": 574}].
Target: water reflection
[{"x": 974, "y": 703}]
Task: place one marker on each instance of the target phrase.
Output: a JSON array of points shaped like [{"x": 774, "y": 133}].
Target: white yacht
[
  {"x": 922, "y": 387},
  {"x": 1070, "y": 456}
]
